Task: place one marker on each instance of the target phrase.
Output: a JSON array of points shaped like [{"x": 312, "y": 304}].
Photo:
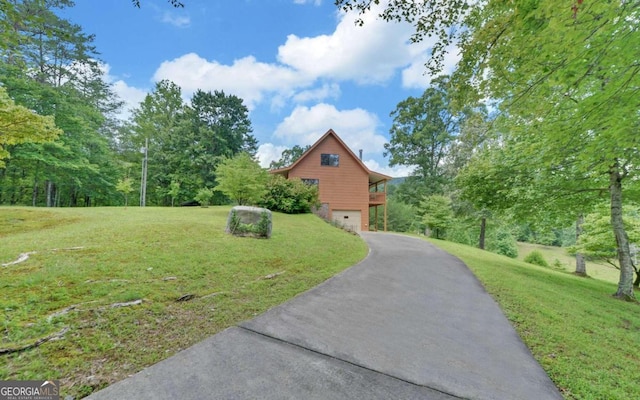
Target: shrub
[
  {"x": 536, "y": 258},
  {"x": 289, "y": 196},
  {"x": 504, "y": 244},
  {"x": 204, "y": 196}
]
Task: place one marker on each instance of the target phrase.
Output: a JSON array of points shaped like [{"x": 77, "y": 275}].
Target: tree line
[{"x": 61, "y": 143}]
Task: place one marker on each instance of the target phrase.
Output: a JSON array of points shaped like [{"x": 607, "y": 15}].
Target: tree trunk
[
  {"x": 625, "y": 284},
  {"x": 483, "y": 229},
  {"x": 581, "y": 265},
  {"x": 49, "y": 189},
  {"x": 34, "y": 193}
]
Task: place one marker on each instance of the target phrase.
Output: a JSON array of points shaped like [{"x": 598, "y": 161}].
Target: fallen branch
[
  {"x": 271, "y": 276},
  {"x": 127, "y": 304},
  {"x": 69, "y": 248},
  {"x": 212, "y": 294},
  {"x": 186, "y": 297},
  {"x": 60, "y": 313},
  {"x": 21, "y": 258},
  {"x": 56, "y": 336},
  {"x": 25, "y": 256}
]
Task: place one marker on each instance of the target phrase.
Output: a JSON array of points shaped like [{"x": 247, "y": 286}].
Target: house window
[
  {"x": 310, "y": 181},
  {"x": 329, "y": 160}
]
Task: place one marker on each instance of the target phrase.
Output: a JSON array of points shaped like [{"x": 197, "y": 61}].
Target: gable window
[
  {"x": 329, "y": 160},
  {"x": 310, "y": 181}
]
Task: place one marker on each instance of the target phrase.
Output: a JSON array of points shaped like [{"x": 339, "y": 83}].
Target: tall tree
[
  {"x": 422, "y": 133},
  {"x": 156, "y": 123}
]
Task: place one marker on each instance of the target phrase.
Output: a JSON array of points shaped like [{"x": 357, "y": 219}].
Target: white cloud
[
  {"x": 179, "y": 21},
  {"x": 246, "y": 77},
  {"x": 395, "y": 172},
  {"x": 368, "y": 54},
  {"x": 315, "y": 2},
  {"x": 268, "y": 152},
  {"x": 131, "y": 96},
  {"x": 356, "y": 127},
  {"x": 331, "y": 90}
]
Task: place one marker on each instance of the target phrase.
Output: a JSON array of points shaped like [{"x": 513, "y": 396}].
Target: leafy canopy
[
  {"x": 18, "y": 124},
  {"x": 241, "y": 179}
]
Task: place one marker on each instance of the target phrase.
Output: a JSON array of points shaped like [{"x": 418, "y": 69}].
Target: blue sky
[{"x": 301, "y": 66}]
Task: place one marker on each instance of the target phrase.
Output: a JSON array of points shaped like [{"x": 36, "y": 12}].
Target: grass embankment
[
  {"x": 587, "y": 341},
  {"x": 595, "y": 270},
  {"x": 86, "y": 260}
]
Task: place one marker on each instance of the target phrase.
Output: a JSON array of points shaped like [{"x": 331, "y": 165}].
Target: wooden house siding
[
  {"x": 345, "y": 187},
  {"x": 344, "y": 190}
]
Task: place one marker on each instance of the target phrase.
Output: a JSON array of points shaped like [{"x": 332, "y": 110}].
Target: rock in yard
[{"x": 249, "y": 221}]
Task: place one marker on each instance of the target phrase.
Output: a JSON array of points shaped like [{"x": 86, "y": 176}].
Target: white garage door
[{"x": 348, "y": 219}]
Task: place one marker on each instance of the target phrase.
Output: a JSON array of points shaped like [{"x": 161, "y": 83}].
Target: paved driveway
[{"x": 408, "y": 322}]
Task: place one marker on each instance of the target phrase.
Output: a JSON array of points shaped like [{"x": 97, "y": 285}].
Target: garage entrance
[{"x": 349, "y": 219}]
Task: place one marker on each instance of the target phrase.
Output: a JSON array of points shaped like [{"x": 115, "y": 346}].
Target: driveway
[{"x": 408, "y": 322}]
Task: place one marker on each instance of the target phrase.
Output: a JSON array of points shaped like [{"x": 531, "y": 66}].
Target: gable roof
[{"x": 374, "y": 177}]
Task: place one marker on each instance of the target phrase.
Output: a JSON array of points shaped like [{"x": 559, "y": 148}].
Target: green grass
[
  {"x": 93, "y": 257},
  {"x": 587, "y": 341},
  {"x": 595, "y": 270}
]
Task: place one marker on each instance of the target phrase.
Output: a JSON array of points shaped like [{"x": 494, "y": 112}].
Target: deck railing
[{"x": 377, "y": 198}]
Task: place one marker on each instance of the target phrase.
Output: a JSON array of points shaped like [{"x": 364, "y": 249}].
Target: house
[{"x": 347, "y": 188}]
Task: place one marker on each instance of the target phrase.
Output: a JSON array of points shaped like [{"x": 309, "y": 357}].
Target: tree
[
  {"x": 21, "y": 125},
  {"x": 174, "y": 191},
  {"x": 564, "y": 78},
  {"x": 289, "y": 156},
  {"x": 436, "y": 214},
  {"x": 597, "y": 242},
  {"x": 401, "y": 217},
  {"x": 241, "y": 179},
  {"x": 125, "y": 186},
  {"x": 422, "y": 133},
  {"x": 158, "y": 119}
]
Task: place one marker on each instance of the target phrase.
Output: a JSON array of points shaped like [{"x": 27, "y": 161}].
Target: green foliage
[
  {"x": 503, "y": 243},
  {"x": 289, "y": 156},
  {"x": 125, "y": 186},
  {"x": 436, "y": 214},
  {"x": 204, "y": 196},
  {"x": 19, "y": 125},
  {"x": 186, "y": 141},
  {"x": 597, "y": 240},
  {"x": 174, "y": 191},
  {"x": 536, "y": 258},
  {"x": 401, "y": 217},
  {"x": 291, "y": 196},
  {"x": 241, "y": 179},
  {"x": 422, "y": 132}
]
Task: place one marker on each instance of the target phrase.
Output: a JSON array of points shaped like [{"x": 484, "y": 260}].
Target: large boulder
[{"x": 249, "y": 221}]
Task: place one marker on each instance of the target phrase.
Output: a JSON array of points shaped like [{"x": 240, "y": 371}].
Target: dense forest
[{"x": 49, "y": 66}]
